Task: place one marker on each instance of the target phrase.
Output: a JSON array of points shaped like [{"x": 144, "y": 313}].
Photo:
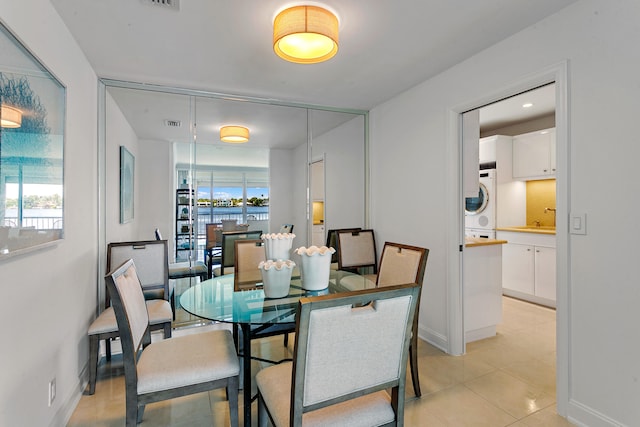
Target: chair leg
[
  {"x": 167, "y": 330},
  {"x": 286, "y": 340},
  {"x": 140, "y": 413},
  {"x": 107, "y": 348},
  {"x": 232, "y": 396},
  {"x": 413, "y": 362},
  {"x": 93, "y": 362}
]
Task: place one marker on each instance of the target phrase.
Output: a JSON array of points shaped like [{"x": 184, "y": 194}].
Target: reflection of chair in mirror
[
  {"x": 212, "y": 248},
  {"x": 151, "y": 256},
  {"x": 173, "y": 367},
  {"x": 181, "y": 270},
  {"x": 228, "y": 249},
  {"x": 286, "y": 228},
  {"x": 357, "y": 252},
  {"x": 332, "y": 243},
  {"x": 350, "y": 348},
  {"x": 400, "y": 264}
]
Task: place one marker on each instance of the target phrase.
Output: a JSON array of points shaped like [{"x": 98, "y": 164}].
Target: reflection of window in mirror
[{"x": 32, "y": 106}]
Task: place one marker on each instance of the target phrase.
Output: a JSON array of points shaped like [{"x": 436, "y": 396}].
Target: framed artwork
[{"x": 127, "y": 169}]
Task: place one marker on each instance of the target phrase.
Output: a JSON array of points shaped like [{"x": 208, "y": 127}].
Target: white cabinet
[
  {"x": 529, "y": 266},
  {"x": 534, "y": 155},
  {"x": 545, "y": 274}
]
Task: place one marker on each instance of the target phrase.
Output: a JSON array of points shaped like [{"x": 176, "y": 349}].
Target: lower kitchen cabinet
[{"x": 528, "y": 267}]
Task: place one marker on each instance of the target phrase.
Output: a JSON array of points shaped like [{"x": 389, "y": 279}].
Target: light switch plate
[{"x": 578, "y": 223}]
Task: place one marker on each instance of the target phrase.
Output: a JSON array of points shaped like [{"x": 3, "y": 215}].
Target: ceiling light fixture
[
  {"x": 527, "y": 105},
  {"x": 234, "y": 134},
  {"x": 305, "y": 34},
  {"x": 10, "y": 117}
]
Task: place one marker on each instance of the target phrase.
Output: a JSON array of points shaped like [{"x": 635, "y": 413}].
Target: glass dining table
[{"x": 216, "y": 300}]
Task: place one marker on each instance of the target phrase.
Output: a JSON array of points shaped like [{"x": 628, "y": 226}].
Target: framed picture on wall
[{"x": 127, "y": 169}]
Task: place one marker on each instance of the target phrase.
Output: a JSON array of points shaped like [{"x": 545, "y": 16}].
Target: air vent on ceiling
[
  {"x": 173, "y": 123},
  {"x": 168, "y": 4}
]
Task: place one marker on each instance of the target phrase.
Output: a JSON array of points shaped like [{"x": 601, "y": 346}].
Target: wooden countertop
[
  {"x": 472, "y": 242},
  {"x": 529, "y": 229}
]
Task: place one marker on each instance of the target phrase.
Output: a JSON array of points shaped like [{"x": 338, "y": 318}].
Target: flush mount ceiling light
[
  {"x": 234, "y": 134},
  {"x": 10, "y": 117},
  {"x": 305, "y": 34}
]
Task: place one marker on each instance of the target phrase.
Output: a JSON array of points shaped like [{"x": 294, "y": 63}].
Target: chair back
[
  {"x": 401, "y": 264},
  {"x": 152, "y": 264},
  {"x": 332, "y": 240},
  {"x": 356, "y": 250},
  {"x": 249, "y": 253},
  {"x": 286, "y": 228},
  {"x": 213, "y": 235},
  {"x": 360, "y": 338},
  {"x": 130, "y": 309},
  {"x": 228, "y": 244}
]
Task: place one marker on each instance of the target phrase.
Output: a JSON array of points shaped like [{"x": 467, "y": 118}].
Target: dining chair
[
  {"x": 248, "y": 254},
  {"x": 227, "y": 255},
  {"x": 173, "y": 367},
  {"x": 357, "y": 252},
  {"x": 286, "y": 228},
  {"x": 184, "y": 269},
  {"x": 212, "y": 248},
  {"x": 333, "y": 243},
  {"x": 399, "y": 264},
  {"x": 151, "y": 257},
  {"x": 350, "y": 349}
]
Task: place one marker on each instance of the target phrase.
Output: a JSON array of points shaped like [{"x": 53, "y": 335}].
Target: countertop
[
  {"x": 472, "y": 242},
  {"x": 529, "y": 229}
]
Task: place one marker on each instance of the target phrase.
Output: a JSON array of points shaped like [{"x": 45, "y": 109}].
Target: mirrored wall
[{"x": 173, "y": 136}]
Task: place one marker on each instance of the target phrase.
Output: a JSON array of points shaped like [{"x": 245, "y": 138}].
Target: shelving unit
[{"x": 185, "y": 220}]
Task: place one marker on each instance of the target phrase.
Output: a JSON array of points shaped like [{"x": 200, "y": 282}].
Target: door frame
[{"x": 558, "y": 74}]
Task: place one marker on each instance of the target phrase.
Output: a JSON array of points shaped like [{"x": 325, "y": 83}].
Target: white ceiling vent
[
  {"x": 167, "y": 4},
  {"x": 173, "y": 123}
]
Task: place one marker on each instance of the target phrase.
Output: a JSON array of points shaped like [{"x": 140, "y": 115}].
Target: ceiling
[{"x": 386, "y": 47}]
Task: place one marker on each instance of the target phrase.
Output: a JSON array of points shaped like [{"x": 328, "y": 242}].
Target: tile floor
[{"x": 506, "y": 380}]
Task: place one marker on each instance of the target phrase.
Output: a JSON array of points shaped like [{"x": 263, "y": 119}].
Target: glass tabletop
[{"x": 215, "y": 299}]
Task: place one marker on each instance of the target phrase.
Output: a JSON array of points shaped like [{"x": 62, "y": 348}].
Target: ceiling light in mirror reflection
[
  {"x": 10, "y": 117},
  {"x": 234, "y": 134}
]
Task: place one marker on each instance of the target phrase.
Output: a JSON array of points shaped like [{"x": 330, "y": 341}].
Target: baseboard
[
  {"x": 583, "y": 416},
  {"x": 433, "y": 338}
]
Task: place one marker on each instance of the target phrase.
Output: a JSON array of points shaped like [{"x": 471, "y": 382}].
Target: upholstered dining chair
[
  {"x": 151, "y": 256},
  {"x": 405, "y": 264},
  {"x": 212, "y": 247},
  {"x": 173, "y": 367},
  {"x": 350, "y": 349},
  {"x": 184, "y": 269},
  {"x": 248, "y": 254},
  {"x": 357, "y": 252},
  {"x": 332, "y": 242},
  {"x": 228, "y": 255},
  {"x": 286, "y": 228}
]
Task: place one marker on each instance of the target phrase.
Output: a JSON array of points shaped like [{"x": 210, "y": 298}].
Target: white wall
[
  {"x": 281, "y": 191},
  {"x": 344, "y": 174},
  {"x": 598, "y": 39},
  {"x": 49, "y": 296},
  {"x": 119, "y": 132}
]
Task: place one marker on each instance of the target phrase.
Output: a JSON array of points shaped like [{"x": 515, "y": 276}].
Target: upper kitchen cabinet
[{"x": 534, "y": 155}]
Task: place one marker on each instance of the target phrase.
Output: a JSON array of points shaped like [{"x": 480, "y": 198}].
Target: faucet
[{"x": 554, "y": 214}]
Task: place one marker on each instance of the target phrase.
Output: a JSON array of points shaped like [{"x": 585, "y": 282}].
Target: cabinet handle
[
  {"x": 538, "y": 250},
  {"x": 528, "y": 250},
  {"x": 544, "y": 170}
]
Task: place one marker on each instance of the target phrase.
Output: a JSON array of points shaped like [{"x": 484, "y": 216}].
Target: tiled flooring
[{"x": 507, "y": 380}]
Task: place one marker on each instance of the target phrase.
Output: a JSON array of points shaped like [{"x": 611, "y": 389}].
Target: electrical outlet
[{"x": 52, "y": 391}]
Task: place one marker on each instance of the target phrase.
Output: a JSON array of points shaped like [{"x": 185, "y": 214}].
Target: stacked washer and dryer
[{"x": 480, "y": 212}]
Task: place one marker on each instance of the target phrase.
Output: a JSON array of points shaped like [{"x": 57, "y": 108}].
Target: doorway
[{"x": 558, "y": 75}]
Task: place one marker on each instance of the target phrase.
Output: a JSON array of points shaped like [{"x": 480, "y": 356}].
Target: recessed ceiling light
[{"x": 527, "y": 105}]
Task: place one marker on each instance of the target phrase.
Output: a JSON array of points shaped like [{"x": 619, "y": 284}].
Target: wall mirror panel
[
  {"x": 174, "y": 138},
  {"x": 32, "y": 117}
]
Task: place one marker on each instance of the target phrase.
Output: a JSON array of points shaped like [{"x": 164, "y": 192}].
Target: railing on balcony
[{"x": 37, "y": 222}]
